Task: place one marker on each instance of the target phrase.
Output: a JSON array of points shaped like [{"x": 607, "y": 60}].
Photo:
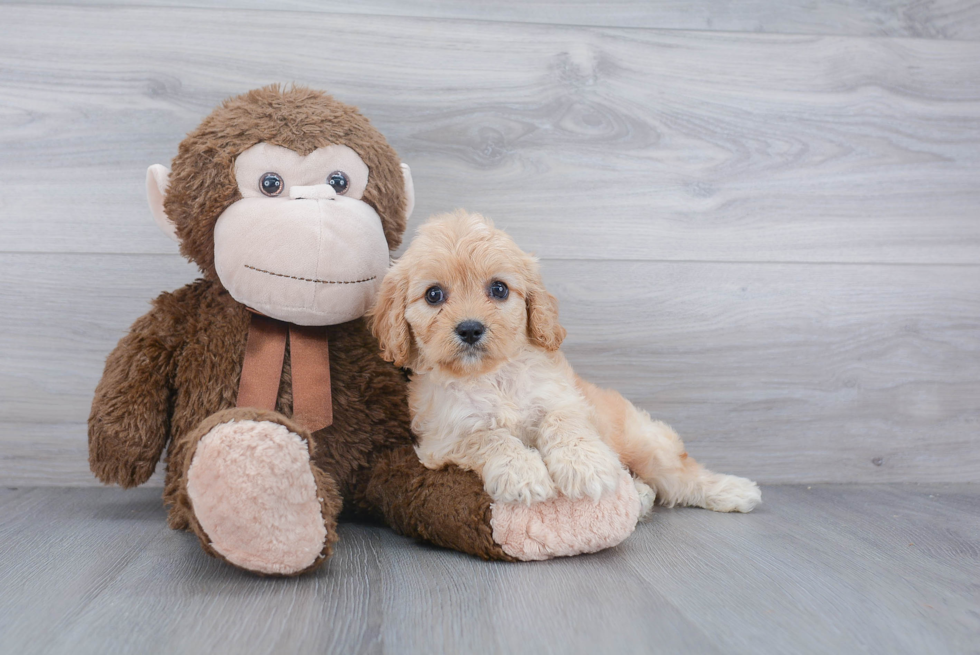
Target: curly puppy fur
[{"x": 508, "y": 406}]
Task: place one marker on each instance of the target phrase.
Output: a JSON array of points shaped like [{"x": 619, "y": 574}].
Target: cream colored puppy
[{"x": 466, "y": 310}]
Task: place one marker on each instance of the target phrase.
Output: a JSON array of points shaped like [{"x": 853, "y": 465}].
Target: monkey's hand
[
  {"x": 449, "y": 508},
  {"x": 129, "y": 423}
]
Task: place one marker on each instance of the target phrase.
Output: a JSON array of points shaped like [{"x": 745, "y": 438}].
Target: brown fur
[
  {"x": 176, "y": 374},
  {"x": 203, "y": 183}
]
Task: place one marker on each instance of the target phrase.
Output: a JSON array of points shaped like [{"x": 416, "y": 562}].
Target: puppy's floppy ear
[
  {"x": 542, "y": 312},
  {"x": 387, "y": 317}
]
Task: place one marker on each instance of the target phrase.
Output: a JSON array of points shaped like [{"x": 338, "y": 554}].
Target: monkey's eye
[
  {"x": 271, "y": 184},
  {"x": 499, "y": 290},
  {"x": 434, "y": 295},
  {"x": 339, "y": 181}
]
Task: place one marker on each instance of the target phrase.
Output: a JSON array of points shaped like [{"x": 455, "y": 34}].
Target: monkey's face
[
  {"x": 290, "y": 200},
  {"x": 301, "y": 245}
]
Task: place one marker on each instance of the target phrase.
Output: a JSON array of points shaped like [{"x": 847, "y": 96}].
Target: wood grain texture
[
  {"x": 930, "y": 19},
  {"x": 781, "y": 372},
  {"x": 769, "y": 241},
  {"x": 588, "y": 143},
  {"x": 874, "y": 569}
]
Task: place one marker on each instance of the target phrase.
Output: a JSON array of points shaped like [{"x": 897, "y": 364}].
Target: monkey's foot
[
  {"x": 561, "y": 526},
  {"x": 256, "y": 496}
]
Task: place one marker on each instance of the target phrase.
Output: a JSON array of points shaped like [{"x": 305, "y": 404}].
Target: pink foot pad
[
  {"x": 253, "y": 492},
  {"x": 561, "y": 527}
]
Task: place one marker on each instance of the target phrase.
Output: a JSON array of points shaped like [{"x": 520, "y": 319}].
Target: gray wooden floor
[{"x": 818, "y": 569}]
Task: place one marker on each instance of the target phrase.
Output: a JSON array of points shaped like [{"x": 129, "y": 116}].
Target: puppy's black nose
[{"x": 470, "y": 331}]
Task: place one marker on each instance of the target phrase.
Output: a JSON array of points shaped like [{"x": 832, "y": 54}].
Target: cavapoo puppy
[{"x": 465, "y": 309}]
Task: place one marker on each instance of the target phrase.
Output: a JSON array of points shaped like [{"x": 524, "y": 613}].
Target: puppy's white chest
[
  {"x": 515, "y": 398},
  {"x": 513, "y": 404}
]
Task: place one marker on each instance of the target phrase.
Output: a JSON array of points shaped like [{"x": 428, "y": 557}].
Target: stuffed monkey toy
[{"x": 261, "y": 380}]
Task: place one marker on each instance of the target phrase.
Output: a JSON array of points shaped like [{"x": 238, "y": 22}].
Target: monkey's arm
[
  {"x": 129, "y": 424},
  {"x": 447, "y": 507}
]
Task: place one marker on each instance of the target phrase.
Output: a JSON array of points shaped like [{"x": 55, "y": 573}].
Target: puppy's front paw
[
  {"x": 584, "y": 468},
  {"x": 732, "y": 494},
  {"x": 518, "y": 480}
]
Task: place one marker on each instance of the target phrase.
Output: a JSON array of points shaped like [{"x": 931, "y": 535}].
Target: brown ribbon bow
[{"x": 309, "y": 356}]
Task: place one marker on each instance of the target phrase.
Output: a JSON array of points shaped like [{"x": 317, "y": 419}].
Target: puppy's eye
[
  {"x": 499, "y": 290},
  {"x": 434, "y": 295},
  {"x": 271, "y": 184}
]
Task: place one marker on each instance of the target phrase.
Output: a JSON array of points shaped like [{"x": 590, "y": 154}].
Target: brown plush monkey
[{"x": 260, "y": 379}]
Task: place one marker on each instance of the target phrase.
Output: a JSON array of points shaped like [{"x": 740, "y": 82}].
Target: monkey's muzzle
[{"x": 314, "y": 258}]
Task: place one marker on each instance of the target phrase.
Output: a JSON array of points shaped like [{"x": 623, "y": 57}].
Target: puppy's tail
[{"x": 656, "y": 455}]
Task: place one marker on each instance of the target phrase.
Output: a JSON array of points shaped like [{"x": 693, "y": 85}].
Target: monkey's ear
[
  {"x": 157, "y": 179},
  {"x": 409, "y": 191}
]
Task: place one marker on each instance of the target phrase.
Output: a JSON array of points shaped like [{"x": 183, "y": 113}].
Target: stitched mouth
[{"x": 309, "y": 279}]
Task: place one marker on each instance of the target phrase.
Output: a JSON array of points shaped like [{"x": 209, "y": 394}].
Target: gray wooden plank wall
[
  {"x": 947, "y": 19},
  {"x": 763, "y": 221}
]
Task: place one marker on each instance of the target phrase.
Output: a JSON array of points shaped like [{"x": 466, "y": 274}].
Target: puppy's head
[{"x": 463, "y": 298}]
